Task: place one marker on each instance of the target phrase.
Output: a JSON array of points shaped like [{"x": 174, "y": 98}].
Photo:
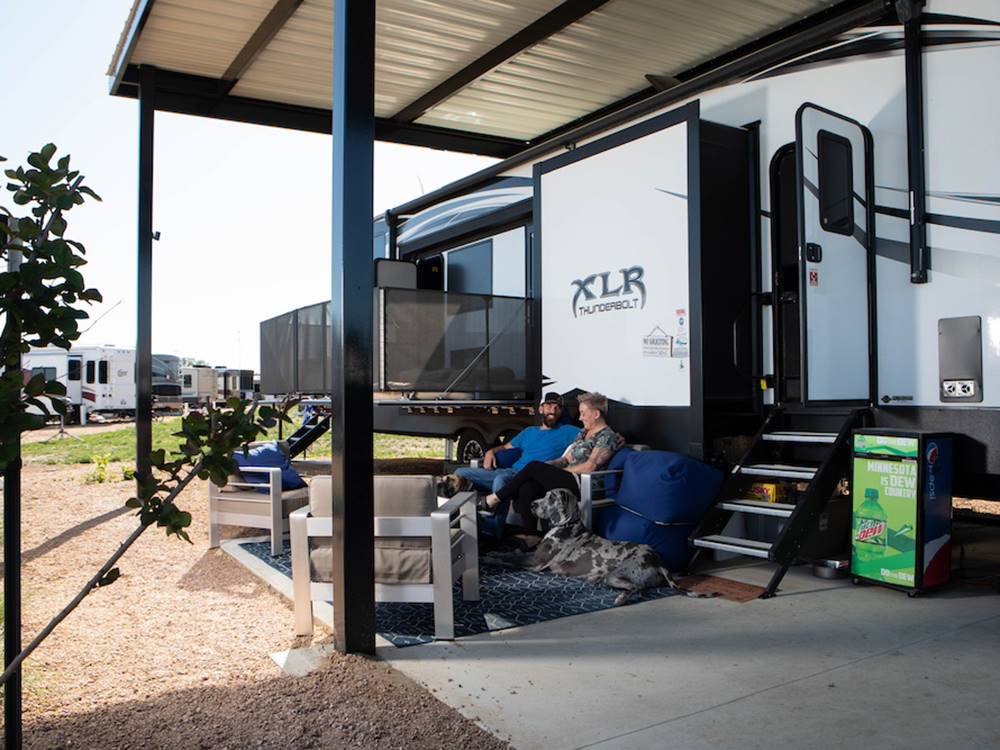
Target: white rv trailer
[
  {"x": 108, "y": 380},
  {"x": 843, "y": 312},
  {"x": 199, "y": 385},
  {"x": 230, "y": 383}
]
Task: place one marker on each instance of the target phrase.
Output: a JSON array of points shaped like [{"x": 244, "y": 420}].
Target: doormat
[
  {"x": 733, "y": 591},
  {"x": 508, "y": 599}
]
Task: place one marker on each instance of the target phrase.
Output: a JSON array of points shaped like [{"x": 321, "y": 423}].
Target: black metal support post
[
  {"x": 12, "y": 576},
  {"x": 392, "y": 236},
  {"x": 351, "y": 350},
  {"x": 909, "y": 13},
  {"x": 144, "y": 291}
]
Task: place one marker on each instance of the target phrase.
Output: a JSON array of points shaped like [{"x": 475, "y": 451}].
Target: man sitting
[{"x": 546, "y": 442}]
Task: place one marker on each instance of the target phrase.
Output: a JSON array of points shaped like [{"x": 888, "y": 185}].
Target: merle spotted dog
[{"x": 569, "y": 549}]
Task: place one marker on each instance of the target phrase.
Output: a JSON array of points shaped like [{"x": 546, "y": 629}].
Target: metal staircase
[
  {"x": 311, "y": 430},
  {"x": 805, "y": 451}
]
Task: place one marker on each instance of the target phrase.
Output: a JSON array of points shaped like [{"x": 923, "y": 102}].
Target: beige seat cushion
[
  {"x": 397, "y": 559},
  {"x": 290, "y": 500}
]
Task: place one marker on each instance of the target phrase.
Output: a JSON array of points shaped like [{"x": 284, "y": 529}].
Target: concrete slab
[{"x": 690, "y": 673}]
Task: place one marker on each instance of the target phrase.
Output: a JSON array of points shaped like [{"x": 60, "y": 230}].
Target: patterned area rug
[{"x": 508, "y": 599}]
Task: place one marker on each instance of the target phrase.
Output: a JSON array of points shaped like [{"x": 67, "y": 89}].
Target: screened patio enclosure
[{"x": 515, "y": 80}]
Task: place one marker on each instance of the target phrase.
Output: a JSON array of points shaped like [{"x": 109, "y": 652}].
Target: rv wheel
[{"x": 471, "y": 445}]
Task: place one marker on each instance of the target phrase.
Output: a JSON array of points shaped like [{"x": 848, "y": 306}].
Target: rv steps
[
  {"x": 734, "y": 544},
  {"x": 312, "y": 430},
  {"x": 783, "y": 436},
  {"x": 782, "y": 471},
  {"x": 798, "y": 458},
  {"x": 759, "y": 507}
]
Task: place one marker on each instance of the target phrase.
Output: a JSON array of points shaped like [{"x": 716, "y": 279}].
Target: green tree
[{"x": 39, "y": 294}]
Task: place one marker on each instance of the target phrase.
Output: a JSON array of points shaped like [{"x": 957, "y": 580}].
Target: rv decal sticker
[{"x": 631, "y": 284}]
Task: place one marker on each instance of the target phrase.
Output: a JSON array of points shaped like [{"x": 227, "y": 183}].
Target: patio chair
[
  {"x": 257, "y": 505},
  {"x": 423, "y": 544}
]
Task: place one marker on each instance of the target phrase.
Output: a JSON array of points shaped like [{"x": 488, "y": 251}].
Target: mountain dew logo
[{"x": 871, "y": 530}]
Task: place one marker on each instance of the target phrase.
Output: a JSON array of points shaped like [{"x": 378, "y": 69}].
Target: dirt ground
[
  {"x": 175, "y": 654},
  {"x": 94, "y": 428}
]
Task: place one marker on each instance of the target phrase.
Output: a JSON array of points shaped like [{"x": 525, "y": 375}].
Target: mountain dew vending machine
[{"x": 901, "y": 496}]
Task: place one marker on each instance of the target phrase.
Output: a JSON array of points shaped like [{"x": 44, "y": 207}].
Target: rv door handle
[{"x": 814, "y": 253}]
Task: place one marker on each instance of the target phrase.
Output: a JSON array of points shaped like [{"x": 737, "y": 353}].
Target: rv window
[
  {"x": 102, "y": 372},
  {"x": 836, "y": 184},
  {"x": 187, "y": 381},
  {"x": 73, "y": 373},
  {"x": 90, "y": 371},
  {"x": 49, "y": 373}
]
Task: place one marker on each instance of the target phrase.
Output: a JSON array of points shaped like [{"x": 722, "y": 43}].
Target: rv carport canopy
[{"x": 482, "y": 76}]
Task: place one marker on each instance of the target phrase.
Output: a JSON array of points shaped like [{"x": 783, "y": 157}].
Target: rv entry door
[{"x": 834, "y": 197}]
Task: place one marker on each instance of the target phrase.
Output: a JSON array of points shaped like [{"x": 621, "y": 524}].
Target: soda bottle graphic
[{"x": 870, "y": 528}]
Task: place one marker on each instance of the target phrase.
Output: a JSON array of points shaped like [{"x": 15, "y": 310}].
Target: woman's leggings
[{"x": 532, "y": 482}]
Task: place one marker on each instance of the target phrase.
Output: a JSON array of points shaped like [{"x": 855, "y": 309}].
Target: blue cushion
[
  {"x": 506, "y": 459},
  {"x": 671, "y": 542},
  {"x": 269, "y": 455},
  {"x": 667, "y": 487},
  {"x": 612, "y": 481}
]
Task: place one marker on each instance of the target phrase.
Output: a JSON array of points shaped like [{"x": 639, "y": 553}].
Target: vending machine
[{"x": 901, "y": 496}]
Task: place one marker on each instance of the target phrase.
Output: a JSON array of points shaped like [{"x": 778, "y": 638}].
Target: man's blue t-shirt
[{"x": 537, "y": 444}]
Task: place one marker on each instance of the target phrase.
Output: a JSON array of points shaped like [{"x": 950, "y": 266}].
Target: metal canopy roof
[{"x": 484, "y": 76}]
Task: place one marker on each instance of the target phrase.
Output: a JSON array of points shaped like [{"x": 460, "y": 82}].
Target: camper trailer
[
  {"x": 65, "y": 367},
  {"x": 820, "y": 235},
  {"x": 199, "y": 385}
]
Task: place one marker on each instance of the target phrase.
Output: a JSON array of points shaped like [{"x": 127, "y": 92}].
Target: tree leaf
[{"x": 110, "y": 577}]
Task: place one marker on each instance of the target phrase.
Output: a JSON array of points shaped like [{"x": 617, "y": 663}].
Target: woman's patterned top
[{"x": 581, "y": 448}]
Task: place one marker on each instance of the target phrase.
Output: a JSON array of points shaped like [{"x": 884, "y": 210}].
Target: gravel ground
[{"x": 175, "y": 653}]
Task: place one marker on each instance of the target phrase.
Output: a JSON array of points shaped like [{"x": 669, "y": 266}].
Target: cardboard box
[{"x": 768, "y": 492}]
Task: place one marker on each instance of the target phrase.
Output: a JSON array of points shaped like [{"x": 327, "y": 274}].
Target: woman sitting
[{"x": 591, "y": 451}]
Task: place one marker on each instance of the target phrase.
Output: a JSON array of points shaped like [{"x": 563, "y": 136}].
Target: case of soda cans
[{"x": 901, "y": 497}]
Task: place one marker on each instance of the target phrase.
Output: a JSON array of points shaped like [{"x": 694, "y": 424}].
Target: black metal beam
[
  {"x": 144, "y": 263},
  {"x": 186, "y": 94},
  {"x": 557, "y": 19},
  {"x": 351, "y": 350},
  {"x": 909, "y": 12},
  {"x": 273, "y": 22},
  {"x": 12, "y": 568}
]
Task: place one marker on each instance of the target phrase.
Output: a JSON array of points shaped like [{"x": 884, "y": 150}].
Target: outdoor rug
[{"x": 508, "y": 599}]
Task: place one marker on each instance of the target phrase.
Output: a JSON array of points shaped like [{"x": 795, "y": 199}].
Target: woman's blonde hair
[{"x": 595, "y": 400}]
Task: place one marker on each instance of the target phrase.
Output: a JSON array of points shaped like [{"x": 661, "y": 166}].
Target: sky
[{"x": 243, "y": 211}]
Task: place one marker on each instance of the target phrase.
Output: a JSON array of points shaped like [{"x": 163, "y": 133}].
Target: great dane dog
[{"x": 569, "y": 549}]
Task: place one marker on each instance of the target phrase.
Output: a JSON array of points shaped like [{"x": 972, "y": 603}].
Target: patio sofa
[{"x": 423, "y": 544}]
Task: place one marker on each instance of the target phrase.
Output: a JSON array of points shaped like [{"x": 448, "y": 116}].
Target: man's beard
[{"x": 550, "y": 420}]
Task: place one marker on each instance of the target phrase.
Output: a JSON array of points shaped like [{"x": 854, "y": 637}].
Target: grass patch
[{"x": 119, "y": 446}]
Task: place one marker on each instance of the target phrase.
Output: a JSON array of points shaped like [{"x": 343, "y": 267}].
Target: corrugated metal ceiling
[{"x": 588, "y": 65}]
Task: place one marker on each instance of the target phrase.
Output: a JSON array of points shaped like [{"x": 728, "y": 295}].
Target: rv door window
[
  {"x": 73, "y": 372},
  {"x": 102, "y": 372},
  {"x": 90, "y": 371},
  {"x": 187, "y": 381},
  {"x": 836, "y": 184}
]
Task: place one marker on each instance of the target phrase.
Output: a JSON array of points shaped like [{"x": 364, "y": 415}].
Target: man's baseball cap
[{"x": 553, "y": 398}]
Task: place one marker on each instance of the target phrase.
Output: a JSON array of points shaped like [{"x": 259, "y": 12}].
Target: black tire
[{"x": 471, "y": 445}]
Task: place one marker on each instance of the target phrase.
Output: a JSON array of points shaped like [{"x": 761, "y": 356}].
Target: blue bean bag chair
[{"x": 661, "y": 497}]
